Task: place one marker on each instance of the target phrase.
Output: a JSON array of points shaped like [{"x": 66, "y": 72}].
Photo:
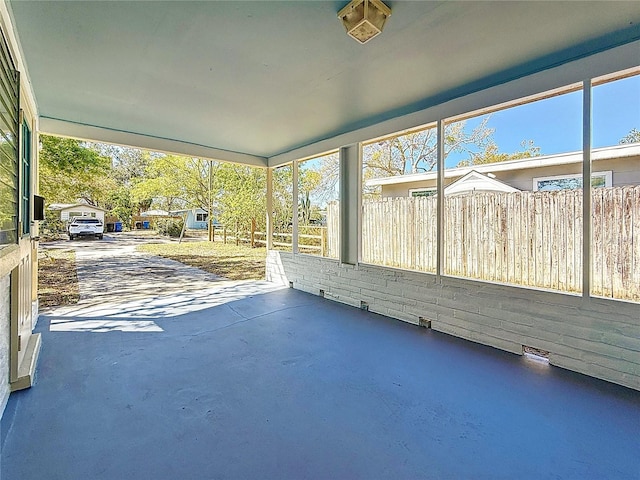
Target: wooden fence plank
[{"x": 522, "y": 238}]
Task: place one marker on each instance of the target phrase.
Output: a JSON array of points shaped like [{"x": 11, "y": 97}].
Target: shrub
[{"x": 169, "y": 227}]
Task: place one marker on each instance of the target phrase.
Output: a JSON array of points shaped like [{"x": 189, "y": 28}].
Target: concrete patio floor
[{"x": 178, "y": 374}]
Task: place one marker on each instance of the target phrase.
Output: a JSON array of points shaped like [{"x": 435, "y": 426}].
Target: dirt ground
[{"x": 57, "y": 278}]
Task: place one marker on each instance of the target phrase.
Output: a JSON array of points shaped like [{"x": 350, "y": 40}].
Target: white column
[
  {"x": 294, "y": 238},
  {"x": 269, "y": 231},
  {"x": 586, "y": 189},
  {"x": 350, "y": 203},
  {"x": 440, "y": 226}
]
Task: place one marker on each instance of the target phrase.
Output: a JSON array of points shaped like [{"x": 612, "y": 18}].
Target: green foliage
[
  {"x": 69, "y": 171},
  {"x": 236, "y": 194},
  {"x": 176, "y": 182},
  {"x": 120, "y": 205},
  {"x": 169, "y": 227},
  {"x": 632, "y": 137},
  {"x": 8, "y": 191},
  {"x": 282, "y": 198},
  {"x": 492, "y": 155},
  {"x": 241, "y": 196},
  {"x": 52, "y": 226},
  {"x": 128, "y": 167}
]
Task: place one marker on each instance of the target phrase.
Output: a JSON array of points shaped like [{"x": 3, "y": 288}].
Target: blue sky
[{"x": 555, "y": 124}]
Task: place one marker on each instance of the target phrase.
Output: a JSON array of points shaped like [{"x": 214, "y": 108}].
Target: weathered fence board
[{"x": 522, "y": 238}]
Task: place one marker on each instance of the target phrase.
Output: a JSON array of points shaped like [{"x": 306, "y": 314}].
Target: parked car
[{"x": 85, "y": 227}]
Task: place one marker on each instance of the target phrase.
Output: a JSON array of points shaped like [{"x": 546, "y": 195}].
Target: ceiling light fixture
[{"x": 364, "y": 19}]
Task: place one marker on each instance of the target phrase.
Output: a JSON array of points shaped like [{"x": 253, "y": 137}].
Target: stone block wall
[{"x": 597, "y": 337}]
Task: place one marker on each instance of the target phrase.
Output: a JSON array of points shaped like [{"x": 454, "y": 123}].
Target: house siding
[
  {"x": 598, "y": 337},
  {"x": 64, "y": 213}
]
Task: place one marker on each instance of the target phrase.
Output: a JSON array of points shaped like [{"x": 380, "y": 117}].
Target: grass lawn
[
  {"x": 57, "y": 278},
  {"x": 229, "y": 261}
]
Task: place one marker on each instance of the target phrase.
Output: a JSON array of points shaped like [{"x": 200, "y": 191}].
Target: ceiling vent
[{"x": 364, "y": 19}]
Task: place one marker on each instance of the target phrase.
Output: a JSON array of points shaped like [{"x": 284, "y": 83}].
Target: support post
[
  {"x": 269, "y": 231},
  {"x": 586, "y": 190},
  {"x": 323, "y": 241},
  {"x": 440, "y": 226},
  {"x": 294, "y": 233},
  {"x": 350, "y": 203},
  {"x": 253, "y": 233},
  {"x": 210, "y": 213}
]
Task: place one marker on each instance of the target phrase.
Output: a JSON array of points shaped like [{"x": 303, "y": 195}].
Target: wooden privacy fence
[
  {"x": 522, "y": 238},
  {"x": 312, "y": 239}
]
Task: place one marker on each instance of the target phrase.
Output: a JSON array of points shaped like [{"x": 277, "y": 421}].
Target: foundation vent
[
  {"x": 424, "y": 322},
  {"x": 535, "y": 354}
]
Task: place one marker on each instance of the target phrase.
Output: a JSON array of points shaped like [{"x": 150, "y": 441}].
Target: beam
[{"x": 92, "y": 133}]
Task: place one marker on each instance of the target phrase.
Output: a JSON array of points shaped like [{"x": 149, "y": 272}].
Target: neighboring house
[
  {"x": 477, "y": 182},
  {"x": 155, "y": 213},
  {"x": 148, "y": 219},
  {"x": 196, "y": 218},
  {"x": 70, "y": 210},
  {"x": 610, "y": 166}
]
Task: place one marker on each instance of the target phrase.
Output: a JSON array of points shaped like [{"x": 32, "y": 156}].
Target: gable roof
[{"x": 476, "y": 181}]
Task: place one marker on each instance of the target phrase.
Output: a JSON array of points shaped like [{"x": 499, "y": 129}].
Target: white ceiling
[{"x": 264, "y": 77}]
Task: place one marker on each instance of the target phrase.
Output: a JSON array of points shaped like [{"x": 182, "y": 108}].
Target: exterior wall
[
  {"x": 19, "y": 261},
  {"x": 5, "y": 353},
  {"x": 86, "y": 211},
  {"x": 193, "y": 224},
  {"x": 600, "y": 338},
  {"x": 626, "y": 171}
]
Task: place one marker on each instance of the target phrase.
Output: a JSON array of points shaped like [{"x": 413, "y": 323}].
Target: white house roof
[
  {"x": 476, "y": 181},
  {"x": 607, "y": 153},
  {"x": 246, "y": 81},
  {"x": 69, "y": 206},
  {"x": 185, "y": 210}
]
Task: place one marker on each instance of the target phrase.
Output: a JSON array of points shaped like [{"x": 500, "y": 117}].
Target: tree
[
  {"x": 492, "y": 155},
  {"x": 282, "y": 202},
  {"x": 242, "y": 198},
  {"x": 69, "y": 170},
  {"x": 632, "y": 137},
  {"x": 235, "y": 194},
  {"x": 416, "y": 152},
  {"x": 128, "y": 167},
  {"x": 176, "y": 182}
]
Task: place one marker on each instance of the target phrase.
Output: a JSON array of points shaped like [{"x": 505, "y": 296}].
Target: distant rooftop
[{"x": 606, "y": 153}]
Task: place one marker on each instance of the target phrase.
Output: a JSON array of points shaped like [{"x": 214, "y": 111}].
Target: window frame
[
  {"x": 423, "y": 189},
  {"x": 607, "y": 174},
  {"x": 25, "y": 180}
]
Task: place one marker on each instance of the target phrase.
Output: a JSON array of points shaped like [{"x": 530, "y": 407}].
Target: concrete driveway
[{"x": 116, "y": 281}]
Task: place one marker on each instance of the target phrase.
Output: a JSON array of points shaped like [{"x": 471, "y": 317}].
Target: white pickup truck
[{"x": 84, "y": 227}]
